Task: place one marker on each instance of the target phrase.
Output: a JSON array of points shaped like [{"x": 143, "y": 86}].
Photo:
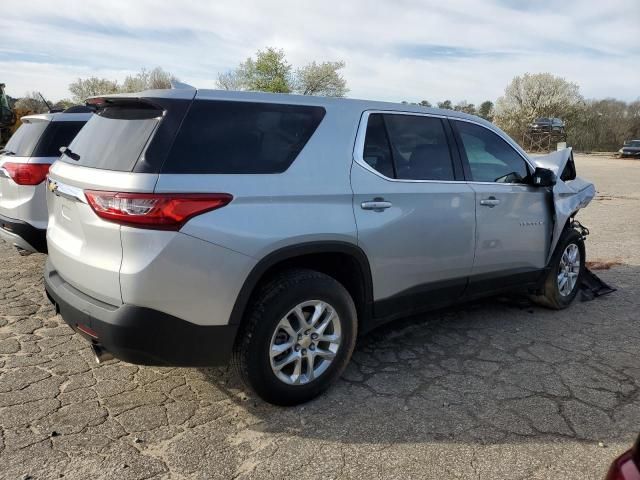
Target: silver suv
[
  {"x": 191, "y": 228},
  {"x": 24, "y": 164}
]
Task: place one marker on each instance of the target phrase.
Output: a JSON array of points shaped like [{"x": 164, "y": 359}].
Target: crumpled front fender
[{"x": 569, "y": 196}]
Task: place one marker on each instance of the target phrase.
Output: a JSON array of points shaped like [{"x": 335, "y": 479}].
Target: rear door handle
[
  {"x": 490, "y": 202},
  {"x": 377, "y": 205}
]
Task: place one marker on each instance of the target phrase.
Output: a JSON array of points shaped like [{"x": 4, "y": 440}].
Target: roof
[{"x": 187, "y": 94}]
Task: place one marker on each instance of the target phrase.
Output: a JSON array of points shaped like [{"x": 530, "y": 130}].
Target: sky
[{"x": 394, "y": 50}]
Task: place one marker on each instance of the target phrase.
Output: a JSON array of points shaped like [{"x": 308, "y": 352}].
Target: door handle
[
  {"x": 490, "y": 202},
  {"x": 377, "y": 205}
]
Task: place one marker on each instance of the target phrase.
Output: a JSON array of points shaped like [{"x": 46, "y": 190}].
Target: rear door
[
  {"x": 414, "y": 213},
  {"x": 513, "y": 217},
  {"x": 85, "y": 250}
]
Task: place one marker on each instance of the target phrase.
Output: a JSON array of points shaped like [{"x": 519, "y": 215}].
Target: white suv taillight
[
  {"x": 27, "y": 173},
  {"x": 161, "y": 211}
]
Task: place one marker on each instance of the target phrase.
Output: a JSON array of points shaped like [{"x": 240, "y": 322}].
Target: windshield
[
  {"x": 541, "y": 120},
  {"x": 113, "y": 139},
  {"x": 635, "y": 143},
  {"x": 24, "y": 141}
]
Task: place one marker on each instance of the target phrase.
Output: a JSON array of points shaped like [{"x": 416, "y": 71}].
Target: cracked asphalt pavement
[{"x": 493, "y": 389}]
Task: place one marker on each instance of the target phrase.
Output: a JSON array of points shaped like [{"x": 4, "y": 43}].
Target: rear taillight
[
  {"x": 27, "y": 173},
  {"x": 162, "y": 211}
]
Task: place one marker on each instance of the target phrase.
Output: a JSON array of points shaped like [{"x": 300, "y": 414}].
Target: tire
[
  {"x": 552, "y": 296},
  {"x": 262, "y": 333}
]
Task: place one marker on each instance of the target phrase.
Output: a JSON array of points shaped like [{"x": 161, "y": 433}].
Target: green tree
[
  {"x": 425, "y": 103},
  {"x": 485, "y": 110},
  {"x": 269, "y": 71},
  {"x": 447, "y": 105},
  {"x": 465, "y": 107}
]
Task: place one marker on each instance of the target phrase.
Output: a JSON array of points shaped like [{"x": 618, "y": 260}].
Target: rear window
[
  {"x": 222, "y": 137},
  {"x": 58, "y": 134},
  {"x": 23, "y": 142},
  {"x": 114, "y": 138}
]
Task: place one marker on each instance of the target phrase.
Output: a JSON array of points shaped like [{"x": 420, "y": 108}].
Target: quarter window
[
  {"x": 408, "y": 147},
  {"x": 490, "y": 158},
  {"x": 241, "y": 137}
]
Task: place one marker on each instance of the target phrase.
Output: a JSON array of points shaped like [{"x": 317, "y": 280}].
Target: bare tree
[
  {"x": 466, "y": 107},
  {"x": 32, "y": 103},
  {"x": 321, "y": 79},
  {"x": 82, "y": 89},
  {"x": 147, "y": 80}
]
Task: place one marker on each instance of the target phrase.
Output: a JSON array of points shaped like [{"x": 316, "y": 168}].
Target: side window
[
  {"x": 420, "y": 148},
  {"x": 490, "y": 158},
  {"x": 377, "y": 151},
  {"x": 224, "y": 137}
]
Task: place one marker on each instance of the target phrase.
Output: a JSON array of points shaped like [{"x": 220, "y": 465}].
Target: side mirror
[{"x": 543, "y": 177}]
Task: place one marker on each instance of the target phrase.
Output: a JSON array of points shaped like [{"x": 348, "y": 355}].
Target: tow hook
[{"x": 584, "y": 231}]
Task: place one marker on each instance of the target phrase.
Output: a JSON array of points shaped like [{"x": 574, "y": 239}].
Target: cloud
[{"x": 401, "y": 50}]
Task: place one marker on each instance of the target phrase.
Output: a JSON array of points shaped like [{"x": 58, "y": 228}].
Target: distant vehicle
[
  {"x": 627, "y": 465},
  {"x": 543, "y": 124},
  {"x": 24, "y": 164},
  {"x": 630, "y": 149}
]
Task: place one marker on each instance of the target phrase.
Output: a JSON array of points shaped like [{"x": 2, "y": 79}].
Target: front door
[
  {"x": 513, "y": 217},
  {"x": 414, "y": 212}
]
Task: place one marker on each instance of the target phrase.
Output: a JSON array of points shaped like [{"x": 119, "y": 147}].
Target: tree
[
  {"x": 536, "y": 95},
  {"x": 31, "y": 103},
  {"x": 447, "y": 105},
  {"x": 270, "y": 72},
  {"x": 425, "y": 103},
  {"x": 147, "y": 80},
  {"x": 157, "y": 78},
  {"x": 465, "y": 107},
  {"x": 485, "y": 110},
  {"x": 90, "y": 87},
  {"x": 63, "y": 104},
  {"x": 321, "y": 79}
]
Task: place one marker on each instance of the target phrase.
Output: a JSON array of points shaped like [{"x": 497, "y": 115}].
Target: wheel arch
[{"x": 333, "y": 258}]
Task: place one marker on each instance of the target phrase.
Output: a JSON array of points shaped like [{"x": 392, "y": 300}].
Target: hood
[{"x": 569, "y": 195}]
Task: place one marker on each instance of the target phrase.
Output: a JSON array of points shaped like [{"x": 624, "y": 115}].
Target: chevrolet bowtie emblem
[{"x": 52, "y": 186}]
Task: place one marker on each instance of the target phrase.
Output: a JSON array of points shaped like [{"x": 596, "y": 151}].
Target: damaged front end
[{"x": 570, "y": 193}]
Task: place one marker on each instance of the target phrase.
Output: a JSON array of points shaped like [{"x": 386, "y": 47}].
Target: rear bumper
[
  {"x": 23, "y": 235},
  {"x": 137, "y": 334}
]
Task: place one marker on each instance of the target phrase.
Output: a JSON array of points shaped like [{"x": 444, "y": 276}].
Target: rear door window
[
  {"x": 222, "y": 137},
  {"x": 408, "y": 147},
  {"x": 58, "y": 134},
  {"x": 114, "y": 138},
  {"x": 23, "y": 142},
  {"x": 420, "y": 147}
]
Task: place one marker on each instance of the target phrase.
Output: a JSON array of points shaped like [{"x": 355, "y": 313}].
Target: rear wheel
[
  {"x": 565, "y": 274},
  {"x": 298, "y": 337}
]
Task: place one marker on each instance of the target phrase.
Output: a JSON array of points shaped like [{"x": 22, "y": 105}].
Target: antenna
[{"x": 45, "y": 102}]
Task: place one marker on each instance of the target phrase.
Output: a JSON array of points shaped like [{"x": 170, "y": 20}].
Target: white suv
[{"x": 24, "y": 164}]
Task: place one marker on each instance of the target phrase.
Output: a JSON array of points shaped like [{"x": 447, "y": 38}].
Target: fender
[{"x": 298, "y": 250}]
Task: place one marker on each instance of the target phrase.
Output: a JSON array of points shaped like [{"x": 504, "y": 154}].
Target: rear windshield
[
  {"x": 240, "y": 137},
  {"x": 58, "y": 134},
  {"x": 113, "y": 138},
  {"x": 23, "y": 142}
]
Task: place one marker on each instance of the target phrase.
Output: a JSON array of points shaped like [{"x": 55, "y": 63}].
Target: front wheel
[
  {"x": 298, "y": 337},
  {"x": 565, "y": 273}
]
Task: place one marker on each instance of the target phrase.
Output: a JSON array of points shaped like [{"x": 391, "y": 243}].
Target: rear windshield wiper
[
  {"x": 67, "y": 151},
  {"x": 7, "y": 152}
]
